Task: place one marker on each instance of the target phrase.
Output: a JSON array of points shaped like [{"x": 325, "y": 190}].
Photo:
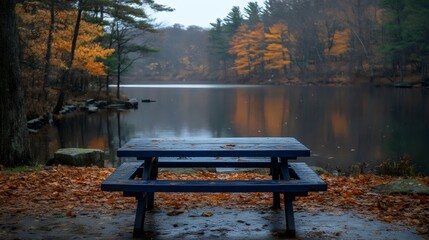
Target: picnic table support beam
[
  {"x": 288, "y": 199},
  {"x": 290, "y": 219},
  {"x": 144, "y": 200},
  {"x": 275, "y": 176},
  {"x": 150, "y": 172},
  {"x": 153, "y": 176},
  {"x": 140, "y": 216}
]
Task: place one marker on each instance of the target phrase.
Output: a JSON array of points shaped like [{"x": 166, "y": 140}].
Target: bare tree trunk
[
  {"x": 119, "y": 50},
  {"x": 66, "y": 74},
  {"x": 14, "y": 141},
  {"x": 49, "y": 48}
]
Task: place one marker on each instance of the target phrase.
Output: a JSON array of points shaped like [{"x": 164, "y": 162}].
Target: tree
[
  {"x": 14, "y": 143},
  {"x": 247, "y": 45},
  {"x": 69, "y": 64},
  {"x": 394, "y": 48},
  {"x": 219, "y": 45},
  {"x": 417, "y": 34},
  {"x": 253, "y": 12},
  {"x": 277, "y": 53},
  {"x": 340, "y": 43},
  {"x": 48, "y": 35},
  {"x": 128, "y": 20},
  {"x": 233, "y": 21}
]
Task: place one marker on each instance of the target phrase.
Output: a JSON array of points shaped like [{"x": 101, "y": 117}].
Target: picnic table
[{"x": 288, "y": 178}]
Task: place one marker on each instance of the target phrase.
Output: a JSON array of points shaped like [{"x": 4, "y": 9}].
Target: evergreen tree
[
  {"x": 417, "y": 34},
  {"x": 219, "y": 45},
  {"x": 253, "y": 13},
  {"x": 233, "y": 21},
  {"x": 394, "y": 48}
]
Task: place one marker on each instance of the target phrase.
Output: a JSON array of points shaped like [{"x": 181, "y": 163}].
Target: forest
[
  {"x": 297, "y": 41},
  {"x": 76, "y": 47}
]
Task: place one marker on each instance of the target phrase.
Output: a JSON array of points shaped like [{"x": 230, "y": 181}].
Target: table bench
[{"x": 291, "y": 179}]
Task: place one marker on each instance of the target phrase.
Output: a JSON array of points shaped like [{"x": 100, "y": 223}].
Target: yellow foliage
[
  {"x": 36, "y": 24},
  {"x": 341, "y": 43},
  {"x": 277, "y": 51},
  {"x": 247, "y": 44}
]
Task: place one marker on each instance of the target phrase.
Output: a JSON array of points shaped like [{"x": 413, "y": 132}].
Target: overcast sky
[{"x": 198, "y": 12}]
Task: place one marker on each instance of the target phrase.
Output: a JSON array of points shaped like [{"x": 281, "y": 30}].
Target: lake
[{"x": 343, "y": 126}]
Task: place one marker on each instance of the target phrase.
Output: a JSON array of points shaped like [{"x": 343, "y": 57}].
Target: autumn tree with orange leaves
[
  {"x": 248, "y": 47},
  {"x": 89, "y": 52},
  {"x": 277, "y": 55},
  {"x": 36, "y": 30}
]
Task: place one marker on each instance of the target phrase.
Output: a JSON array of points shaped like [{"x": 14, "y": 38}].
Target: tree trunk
[
  {"x": 66, "y": 75},
  {"x": 14, "y": 143},
  {"x": 48, "y": 48},
  {"x": 118, "y": 50}
]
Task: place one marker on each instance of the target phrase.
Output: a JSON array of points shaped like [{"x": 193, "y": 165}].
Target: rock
[
  {"x": 404, "y": 186},
  {"x": 78, "y": 157},
  {"x": 91, "y": 108},
  {"x": 69, "y": 108},
  {"x": 36, "y": 123},
  {"x": 101, "y": 104},
  {"x": 116, "y": 106},
  {"x": 63, "y": 111},
  {"x": 90, "y": 101},
  {"x": 133, "y": 103},
  {"x": 33, "y": 130}
]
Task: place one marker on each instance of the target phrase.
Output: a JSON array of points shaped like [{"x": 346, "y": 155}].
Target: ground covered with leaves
[{"x": 68, "y": 190}]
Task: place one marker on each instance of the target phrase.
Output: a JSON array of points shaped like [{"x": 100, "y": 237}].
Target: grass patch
[
  {"x": 403, "y": 167},
  {"x": 21, "y": 169}
]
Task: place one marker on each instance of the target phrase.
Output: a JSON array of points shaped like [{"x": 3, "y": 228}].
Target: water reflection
[{"x": 342, "y": 126}]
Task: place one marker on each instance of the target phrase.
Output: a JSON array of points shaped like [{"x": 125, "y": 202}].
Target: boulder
[
  {"x": 132, "y": 103},
  {"x": 101, "y": 104},
  {"x": 91, "y": 108},
  {"x": 36, "y": 123},
  {"x": 78, "y": 157},
  {"x": 404, "y": 186}
]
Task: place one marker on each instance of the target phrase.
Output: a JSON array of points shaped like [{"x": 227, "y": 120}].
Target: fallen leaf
[
  {"x": 422, "y": 230},
  {"x": 70, "y": 214},
  {"x": 207, "y": 214}
]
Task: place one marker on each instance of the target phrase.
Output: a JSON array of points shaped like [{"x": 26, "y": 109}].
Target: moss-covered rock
[
  {"x": 78, "y": 157},
  {"x": 404, "y": 186}
]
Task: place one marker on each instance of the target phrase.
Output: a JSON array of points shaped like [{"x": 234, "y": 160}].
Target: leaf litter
[{"x": 68, "y": 190}]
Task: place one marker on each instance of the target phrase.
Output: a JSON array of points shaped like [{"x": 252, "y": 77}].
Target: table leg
[
  {"x": 288, "y": 199},
  {"x": 290, "y": 219},
  {"x": 140, "y": 216},
  {"x": 153, "y": 176},
  {"x": 275, "y": 173},
  {"x": 147, "y": 173}
]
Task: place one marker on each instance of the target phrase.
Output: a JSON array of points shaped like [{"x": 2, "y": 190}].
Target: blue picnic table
[{"x": 288, "y": 178}]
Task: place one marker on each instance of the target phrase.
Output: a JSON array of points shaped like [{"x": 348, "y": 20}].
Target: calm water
[{"x": 342, "y": 126}]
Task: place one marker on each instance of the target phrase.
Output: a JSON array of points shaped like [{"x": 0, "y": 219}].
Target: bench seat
[{"x": 304, "y": 180}]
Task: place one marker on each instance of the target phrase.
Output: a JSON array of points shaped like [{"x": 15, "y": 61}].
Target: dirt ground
[{"x": 201, "y": 223}]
